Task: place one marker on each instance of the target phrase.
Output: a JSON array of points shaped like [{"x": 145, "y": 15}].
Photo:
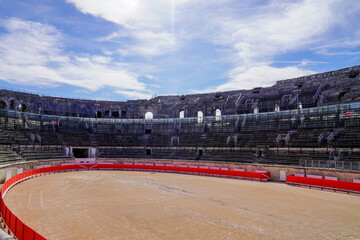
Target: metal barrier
[
  {"x": 349, "y": 187},
  {"x": 331, "y": 164},
  {"x": 23, "y": 232}
]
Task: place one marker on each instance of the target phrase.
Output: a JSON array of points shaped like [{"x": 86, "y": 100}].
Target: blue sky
[{"x": 131, "y": 49}]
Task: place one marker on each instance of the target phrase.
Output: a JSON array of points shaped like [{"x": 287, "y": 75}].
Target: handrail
[{"x": 233, "y": 117}]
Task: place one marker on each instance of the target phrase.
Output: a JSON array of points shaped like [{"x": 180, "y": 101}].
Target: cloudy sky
[{"x": 131, "y": 49}]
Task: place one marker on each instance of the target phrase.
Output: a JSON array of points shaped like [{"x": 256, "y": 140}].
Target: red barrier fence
[
  {"x": 324, "y": 184},
  {"x": 24, "y": 232}
]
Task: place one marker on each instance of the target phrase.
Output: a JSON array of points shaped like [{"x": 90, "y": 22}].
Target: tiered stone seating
[
  {"x": 188, "y": 140},
  {"x": 50, "y": 138},
  {"x": 8, "y": 156},
  {"x": 159, "y": 140},
  {"x": 76, "y": 138},
  {"x": 308, "y": 138},
  {"x": 216, "y": 140},
  {"x": 14, "y": 137},
  {"x": 226, "y": 155},
  {"x": 121, "y": 152},
  {"x": 295, "y": 158},
  {"x": 353, "y": 157},
  {"x": 174, "y": 153},
  {"x": 43, "y": 154},
  {"x": 348, "y": 138}
]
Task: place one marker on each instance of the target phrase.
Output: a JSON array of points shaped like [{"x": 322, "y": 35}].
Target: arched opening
[
  {"x": 182, "y": 114},
  {"x": 106, "y": 113},
  {"x": 22, "y": 107},
  {"x": 98, "y": 114},
  {"x": 277, "y": 108},
  {"x": 200, "y": 117},
  {"x": 3, "y": 105},
  {"x": 12, "y": 104},
  {"x": 300, "y": 105},
  {"x": 149, "y": 115},
  {"x": 217, "y": 114},
  {"x": 115, "y": 114}
]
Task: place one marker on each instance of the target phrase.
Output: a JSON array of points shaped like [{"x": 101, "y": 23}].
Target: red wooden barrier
[
  {"x": 28, "y": 233},
  {"x": 324, "y": 183},
  {"x": 12, "y": 224},
  {"x": 24, "y": 232},
  {"x": 19, "y": 229}
]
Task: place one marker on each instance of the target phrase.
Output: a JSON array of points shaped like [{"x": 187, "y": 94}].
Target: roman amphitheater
[{"x": 279, "y": 162}]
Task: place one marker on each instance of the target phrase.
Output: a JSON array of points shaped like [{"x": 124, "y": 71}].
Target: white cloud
[
  {"x": 31, "y": 54},
  {"x": 135, "y": 14},
  {"x": 29, "y": 42},
  {"x": 148, "y": 43},
  {"x": 253, "y": 35},
  {"x": 258, "y": 37},
  {"x": 278, "y": 28},
  {"x": 135, "y": 94},
  {"x": 148, "y": 23},
  {"x": 260, "y": 76},
  {"x": 304, "y": 62}
]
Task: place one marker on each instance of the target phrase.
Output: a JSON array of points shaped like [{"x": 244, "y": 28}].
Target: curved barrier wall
[
  {"x": 23, "y": 232},
  {"x": 335, "y": 185}
]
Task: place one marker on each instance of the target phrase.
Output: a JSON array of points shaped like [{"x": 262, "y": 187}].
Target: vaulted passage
[
  {"x": 81, "y": 152},
  {"x": 3, "y": 105}
]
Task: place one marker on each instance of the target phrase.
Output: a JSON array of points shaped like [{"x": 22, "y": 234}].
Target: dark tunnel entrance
[{"x": 80, "y": 152}]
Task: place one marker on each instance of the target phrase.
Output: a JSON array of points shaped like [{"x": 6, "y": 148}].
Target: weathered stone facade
[{"x": 333, "y": 87}]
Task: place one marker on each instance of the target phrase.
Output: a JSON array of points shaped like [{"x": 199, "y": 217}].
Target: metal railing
[{"x": 331, "y": 164}]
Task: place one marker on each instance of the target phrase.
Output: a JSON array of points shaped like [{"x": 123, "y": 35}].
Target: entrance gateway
[{"x": 83, "y": 154}]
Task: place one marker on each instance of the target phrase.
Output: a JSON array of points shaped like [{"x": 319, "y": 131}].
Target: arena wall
[{"x": 275, "y": 170}]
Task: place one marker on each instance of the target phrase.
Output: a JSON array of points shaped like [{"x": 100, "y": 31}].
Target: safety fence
[
  {"x": 335, "y": 185},
  {"x": 23, "y": 232}
]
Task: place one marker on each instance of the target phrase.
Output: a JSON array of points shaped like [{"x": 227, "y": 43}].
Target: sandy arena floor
[{"x": 140, "y": 205}]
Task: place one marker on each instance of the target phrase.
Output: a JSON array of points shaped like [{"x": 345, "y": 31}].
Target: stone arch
[
  {"x": 98, "y": 114},
  {"x": 200, "y": 116},
  {"x": 22, "y": 107},
  {"x": 115, "y": 114},
  {"x": 149, "y": 115},
  {"x": 3, "y": 104},
  {"x": 12, "y": 104},
  {"x": 217, "y": 114}
]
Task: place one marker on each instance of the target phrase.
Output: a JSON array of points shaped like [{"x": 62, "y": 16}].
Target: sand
[{"x": 143, "y": 205}]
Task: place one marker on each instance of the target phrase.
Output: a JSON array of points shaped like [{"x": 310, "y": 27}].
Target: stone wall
[
  {"x": 332, "y": 87},
  {"x": 274, "y": 170}
]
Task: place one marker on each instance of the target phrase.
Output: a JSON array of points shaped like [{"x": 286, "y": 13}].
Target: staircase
[
  {"x": 61, "y": 138},
  {"x": 27, "y": 121},
  {"x": 331, "y": 138},
  {"x": 144, "y": 140},
  {"x": 93, "y": 140},
  {"x": 202, "y": 139}
]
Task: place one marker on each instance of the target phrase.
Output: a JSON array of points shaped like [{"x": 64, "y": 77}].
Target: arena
[
  {"x": 184, "y": 164},
  {"x": 179, "y": 119},
  {"x": 142, "y": 205}
]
